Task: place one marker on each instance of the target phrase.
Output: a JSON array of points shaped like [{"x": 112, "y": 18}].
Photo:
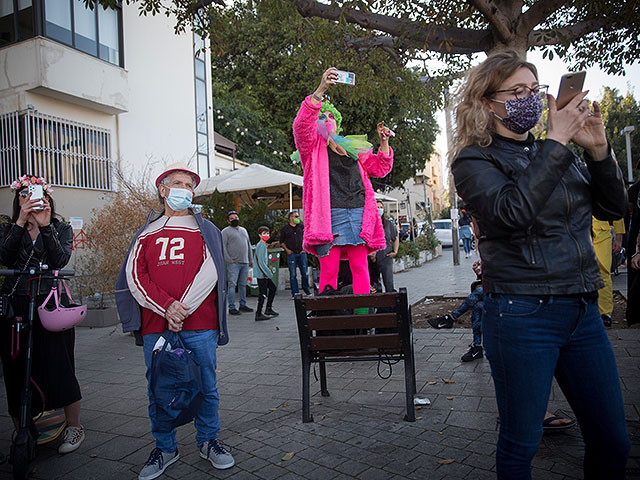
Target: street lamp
[{"x": 626, "y": 131}]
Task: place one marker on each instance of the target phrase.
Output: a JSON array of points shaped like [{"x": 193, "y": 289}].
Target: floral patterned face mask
[{"x": 522, "y": 113}]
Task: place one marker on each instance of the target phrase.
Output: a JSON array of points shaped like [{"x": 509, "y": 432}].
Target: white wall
[
  {"x": 43, "y": 65},
  {"x": 160, "y": 124}
]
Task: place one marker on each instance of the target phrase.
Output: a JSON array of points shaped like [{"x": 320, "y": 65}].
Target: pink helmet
[{"x": 58, "y": 317}]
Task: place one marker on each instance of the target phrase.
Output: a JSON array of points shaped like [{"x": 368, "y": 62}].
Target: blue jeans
[
  {"x": 203, "y": 344},
  {"x": 466, "y": 244},
  {"x": 475, "y": 302},
  {"x": 237, "y": 274},
  {"x": 530, "y": 338},
  {"x": 298, "y": 260}
]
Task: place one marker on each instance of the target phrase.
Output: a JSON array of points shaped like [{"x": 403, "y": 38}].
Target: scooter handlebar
[{"x": 42, "y": 273}]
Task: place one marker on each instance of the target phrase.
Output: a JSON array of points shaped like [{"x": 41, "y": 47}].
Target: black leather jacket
[
  {"x": 533, "y": 202},
  {"x": 52, "y": 247}
]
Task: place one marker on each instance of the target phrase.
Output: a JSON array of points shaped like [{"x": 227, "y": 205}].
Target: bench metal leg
[
  {"x": 410, "y": 386},
  {"x": 306, "y": 370},
  {"x": 323, "y": 380}
]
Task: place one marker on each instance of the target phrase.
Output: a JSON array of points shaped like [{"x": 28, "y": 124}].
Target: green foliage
[
  {"x": 245, "y": 125},
  {"x": 408, "y": 249},
  {"x": 446, "y": 211},
  {"x": 273, "y": 58},
  {"x": 582, "y": 32},
  {"x": 617, "y": 113},
  {"x": 427, "y": 241},
  {"x": 217, "y": 205}
]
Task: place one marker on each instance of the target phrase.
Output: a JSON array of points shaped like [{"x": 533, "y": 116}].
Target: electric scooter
[{"x": 23, "y": 446}]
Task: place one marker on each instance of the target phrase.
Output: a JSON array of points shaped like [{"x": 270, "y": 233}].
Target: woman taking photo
[
  {"x": 36, "y": 236},
  {"x": 340, "y": 211},
  {"x": 533, "y": 201}
]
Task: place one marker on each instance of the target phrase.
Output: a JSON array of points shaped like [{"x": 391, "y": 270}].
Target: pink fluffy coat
[{"x": 316, "y": 196}]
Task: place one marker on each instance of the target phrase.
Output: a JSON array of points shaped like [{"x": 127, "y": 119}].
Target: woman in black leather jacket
[
  {"x": 533, "y": 201},
  {"x": 36, "y": 236}
]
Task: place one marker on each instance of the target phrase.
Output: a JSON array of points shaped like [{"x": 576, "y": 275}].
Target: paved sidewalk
[{"x": 358, "y": 432}]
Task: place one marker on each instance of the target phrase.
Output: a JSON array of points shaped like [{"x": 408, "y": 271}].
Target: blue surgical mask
[
  {"x": 381, "y": 211},
  {"x": 179, "y": 199}
]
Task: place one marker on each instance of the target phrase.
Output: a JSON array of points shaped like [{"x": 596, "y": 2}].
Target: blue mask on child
[{"x": 179, "y": 199}]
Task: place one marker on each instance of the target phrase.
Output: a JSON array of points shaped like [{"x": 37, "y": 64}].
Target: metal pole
[
  {"x": 627, "y": 133},
  {"x": 453, "y": 198},
  {"x": 290, "y": 197},
  {"x": 410, "y": 216},
  {"x": 424, "y": 191}
]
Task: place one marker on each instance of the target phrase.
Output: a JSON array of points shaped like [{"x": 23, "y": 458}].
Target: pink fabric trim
[{"x": 316, "y": 195}]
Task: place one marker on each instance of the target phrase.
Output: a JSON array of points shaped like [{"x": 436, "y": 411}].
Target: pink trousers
[{"x": 330, "y": 264}]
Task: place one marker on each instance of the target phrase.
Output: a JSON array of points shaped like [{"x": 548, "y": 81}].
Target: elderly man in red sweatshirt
[{"x": 175, "y": 271}]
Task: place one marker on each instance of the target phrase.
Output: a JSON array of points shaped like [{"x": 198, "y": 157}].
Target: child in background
[{"x": 264, "y": 275}]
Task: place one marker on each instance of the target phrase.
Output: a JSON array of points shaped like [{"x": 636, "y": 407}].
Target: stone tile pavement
[{"x": 358, "y": 432}]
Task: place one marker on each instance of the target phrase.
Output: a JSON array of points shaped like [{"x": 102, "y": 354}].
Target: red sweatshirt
[{"x": 170, "y": 262}]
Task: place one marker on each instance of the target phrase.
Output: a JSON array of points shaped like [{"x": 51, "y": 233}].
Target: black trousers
[{"x": 267, "y": 290}]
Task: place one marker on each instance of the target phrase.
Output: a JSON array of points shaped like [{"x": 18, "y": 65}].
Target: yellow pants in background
[{"x": 602, "y": 244}]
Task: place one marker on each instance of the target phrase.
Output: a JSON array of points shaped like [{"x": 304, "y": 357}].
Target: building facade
[
  {"x": 93, "y": 98},
  {"x": 420, "y": 196}
]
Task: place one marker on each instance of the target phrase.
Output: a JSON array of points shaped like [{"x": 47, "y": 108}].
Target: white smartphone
[
  {"x": 570, "y": 86},
  {"x": 36, "y": 193},
  {"x": 347, "y": 78}
]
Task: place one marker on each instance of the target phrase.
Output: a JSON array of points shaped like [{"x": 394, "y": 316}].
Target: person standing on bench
[{"x": 341, "y": 215}]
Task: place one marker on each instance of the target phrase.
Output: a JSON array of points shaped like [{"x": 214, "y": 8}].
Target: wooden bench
[{"x": 326, "y": 336}]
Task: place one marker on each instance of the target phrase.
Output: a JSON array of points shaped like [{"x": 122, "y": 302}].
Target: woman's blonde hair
[{"x": 473, "y": 121}]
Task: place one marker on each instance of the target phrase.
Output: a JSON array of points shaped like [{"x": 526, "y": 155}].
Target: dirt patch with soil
[{"x": 438, "y": 306}]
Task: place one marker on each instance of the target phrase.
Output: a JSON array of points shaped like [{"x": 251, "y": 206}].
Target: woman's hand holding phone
[
  {"x": 329, "y": 78},
  {"x": 565, "y": 123},
  {"x": 42, "y": 215}
]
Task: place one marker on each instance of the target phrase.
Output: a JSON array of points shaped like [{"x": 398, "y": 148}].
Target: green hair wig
[{"x": 329, "y": 107}]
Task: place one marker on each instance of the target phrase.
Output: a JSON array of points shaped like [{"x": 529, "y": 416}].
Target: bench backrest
[{"x": 325, "y": 331}]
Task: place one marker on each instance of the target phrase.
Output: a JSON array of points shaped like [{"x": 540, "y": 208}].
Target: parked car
[{"x": 443, "y": 231}]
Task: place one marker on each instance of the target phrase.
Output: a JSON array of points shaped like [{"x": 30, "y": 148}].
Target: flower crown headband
[{"x": 26, "y": 180}]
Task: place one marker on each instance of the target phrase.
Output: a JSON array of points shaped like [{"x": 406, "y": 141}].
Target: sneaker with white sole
[
  {"x": 157, "y": 464},
  {"x": 73, "y": 437},
  {"x": 474, "y": 353},
  {"x": 446, "y": 321},
  {"x": 216, "y": 454}
]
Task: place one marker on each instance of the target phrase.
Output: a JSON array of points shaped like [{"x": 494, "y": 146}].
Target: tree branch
[
  {"x": 538, "y": 13},
  {"x": 540, "y": 38},
  {"x": 204, "y": 3},
  {"x": 388, "y": 42},
  {"x": 500, "y": 22},
  {"x": 432, "y": 36}
]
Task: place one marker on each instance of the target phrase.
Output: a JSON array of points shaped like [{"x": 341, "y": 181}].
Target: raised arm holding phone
[
  {"x": 533, "y": 201},
  {"x": 341, "y": 215}
]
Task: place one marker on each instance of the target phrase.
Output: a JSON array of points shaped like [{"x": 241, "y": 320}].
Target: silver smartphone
[
  {"x": 36, "y": 194},
  {"x": 570, "y": 85},
  {"x": 346, "y": 78}
]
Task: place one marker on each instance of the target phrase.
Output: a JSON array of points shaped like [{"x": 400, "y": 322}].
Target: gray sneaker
[
  {"x": 216, "y": 454},
  {"x": 157, "y": 464}
]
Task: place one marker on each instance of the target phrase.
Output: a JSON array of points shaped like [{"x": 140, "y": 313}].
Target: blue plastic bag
[{"x": 175, "y": 383}]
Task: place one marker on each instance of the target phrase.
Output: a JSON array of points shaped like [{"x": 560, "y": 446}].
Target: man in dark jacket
[{"x": 291, "y": 236}]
